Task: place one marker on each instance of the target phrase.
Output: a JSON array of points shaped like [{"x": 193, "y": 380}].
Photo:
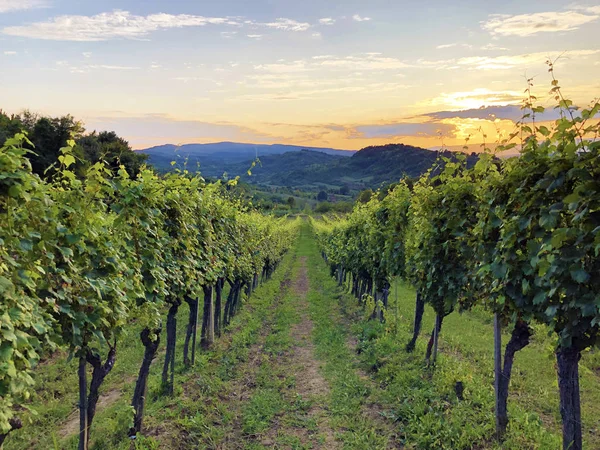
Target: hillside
[
  {"x": 299, "y": 167},
  {"x": 369, "y": 167},
  {"x": 216, "y": 158}
]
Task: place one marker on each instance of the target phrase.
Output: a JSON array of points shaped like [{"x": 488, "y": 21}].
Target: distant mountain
[
  {"x": 215, "y": 158},
  {"x": 302, "y": 167},
  {"x": 288, "y": 169},
  {"x": 369, "y": 167}
]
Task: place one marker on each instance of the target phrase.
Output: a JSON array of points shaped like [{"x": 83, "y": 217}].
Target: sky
[{"x": 331, "y": 73}]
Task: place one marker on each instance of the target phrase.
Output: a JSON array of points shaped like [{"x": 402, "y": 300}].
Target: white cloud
[
  {"x": 492, "y": 47},
  {"x": 357, "y": 62},
  {"x": 317, "y": 35},
  {"x": 87, "y": 68},
  {"x": 17, "y": 5},
  {"x": 87, "y": 54},
  {"x": 283, "y": 67},
  {"x": 477, "y": 98},
  {"x": 112, "y": 25},
  {"x": 155, "y": 65},
  {"x": 509, "y": 62},
  {"x": 534, "y": 60},
  {"x": 358, "y": 18},
  {"x": 530, "y": 24},
  {"x": 454, "y": 44},
  {"x": 327, "y": 21},
  {"x": 319, "y": 89},
  {"x": 188, "y": 79},
  {"x": 10, "y": 53},
  {"x": 588, "y": 9},
  {"x": 367, "y": 61},
  {"x": 284, "y": 24},
  {"x": 258, "y": 37},
  {"x": 120, "y": 24},
  {"x": 110, "y": 67}
]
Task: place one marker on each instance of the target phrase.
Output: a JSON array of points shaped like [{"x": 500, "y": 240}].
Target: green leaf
[
  {"x": 539, "y": 298},
  {"x": 68, "y": 160},
  {"x": 26, "y": 244},
  {"x": 580, "y": 275},
  {"x": 544, "y": 131}
]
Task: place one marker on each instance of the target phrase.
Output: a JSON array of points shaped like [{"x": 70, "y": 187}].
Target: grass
[
  {"x": 349, "y": 391},
  {"x": 249, "y": 391},
  {"x": 468, "y": 338},
  {"x": 423, "y": 402},
  {"x": 194, "y": 413}
]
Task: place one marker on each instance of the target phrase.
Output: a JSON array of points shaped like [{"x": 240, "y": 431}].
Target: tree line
[
  {"x": 519, "y": 235},
  {"x": 88, "y": 248},
  {"x": 47, "y": 135}
]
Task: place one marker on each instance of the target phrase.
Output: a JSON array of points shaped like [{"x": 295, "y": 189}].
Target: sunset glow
[{"x": 342, "y": 74}]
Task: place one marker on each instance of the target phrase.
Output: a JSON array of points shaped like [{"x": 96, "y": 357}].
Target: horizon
[{"x": 341, "y": 75}]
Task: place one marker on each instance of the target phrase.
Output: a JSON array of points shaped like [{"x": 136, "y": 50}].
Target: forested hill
[
  {"x": 218, "y": 157},
  {"x": 280, "y": 165},
  {"x": 369, "y": 167}
]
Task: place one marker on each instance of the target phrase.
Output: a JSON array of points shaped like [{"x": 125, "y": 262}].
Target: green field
[{"x": 300, "y": 367}]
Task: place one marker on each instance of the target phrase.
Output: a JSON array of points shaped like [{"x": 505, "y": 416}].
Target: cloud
[
  {"x": 154, "y": 129},
  {"x": 258, "y": 37},
  {"x": 283, "y": 24},
  {"x": 492, "y": 47},
  {"x": 363, "y": 61},
  {"x": 228, "y": 34},
  {"x": 589, "y": 9},
  {"x": 188, "y": 79},
  {"x": 358, "y": 18},
  {"x": 454, "y": 44},
  {"x": 477, "y": 97},
  {"x": 366, "y": 61},
  {"x": 508, "y": 112},
  {"x": 317, "y": 35},
  {"x": 112, "y": 25},
  {"x": 503, "y": 62},
  {"x": 326, "y": 21},
  {"x": 530, "y": 24},
  {"x": 510, "y": 62},
  {"x": 87, "y": 54},
  {"x": 319, "y": 89},
  {"x": 10, "y": 53},
  {"x": 87, "y": 68},
  {"x": 109, "y": 67},
  {"x": 283, "y": 67},
  {"x": 392, "y": 130},
  {"x": 19, "y": 5}
]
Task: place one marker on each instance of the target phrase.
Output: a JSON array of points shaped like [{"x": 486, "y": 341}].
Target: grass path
[
  {"x": 308, "y": 392},
  {"x": 356, "y": 419}
]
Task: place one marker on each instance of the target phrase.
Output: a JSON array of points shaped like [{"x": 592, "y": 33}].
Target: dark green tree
[
  {"x": 291, "y": 201},
  {"x": 364, "y": 196},
  {"x": 115, "y": 151}
]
